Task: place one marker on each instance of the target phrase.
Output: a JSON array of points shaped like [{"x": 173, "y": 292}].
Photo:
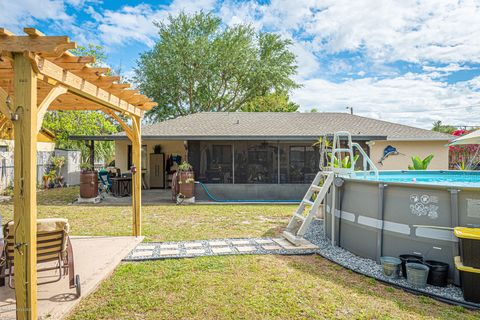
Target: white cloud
[
  {"x": 389, "y": 30},
  {"x": 21, "y": 13},
  {"x": 136, "y": 23},
  {"x": 410, "y": 99}
]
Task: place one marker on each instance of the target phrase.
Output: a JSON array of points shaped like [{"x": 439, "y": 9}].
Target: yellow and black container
[
  {"x": 469, "y": 239},
  {"x": 470, "y": 280}
]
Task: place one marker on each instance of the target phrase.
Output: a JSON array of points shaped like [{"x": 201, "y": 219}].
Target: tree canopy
[
  {"x": 271, "y": 102},
  {"x": 440, "y": 127},
  {"x": 200, "y": 65}
]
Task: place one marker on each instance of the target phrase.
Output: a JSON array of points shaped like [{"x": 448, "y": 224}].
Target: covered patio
[{"x": 38, "y": 74}]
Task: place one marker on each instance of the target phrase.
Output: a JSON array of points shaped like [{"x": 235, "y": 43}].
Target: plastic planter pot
[
  {"x": 417, "y": 274},
  {"x": 438, "y": 273},
  {"x": 391, "y": 267},
  {"x": 409, "y": 258},
  {"x": 470, "y": 279}
]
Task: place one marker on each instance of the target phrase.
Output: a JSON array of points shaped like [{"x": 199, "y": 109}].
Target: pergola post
[
  {"x": 136, "y": 139},
  {"x": 25, "y": 193}
]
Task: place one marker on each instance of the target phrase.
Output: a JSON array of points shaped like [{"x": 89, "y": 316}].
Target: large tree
[
  {"x": 67, "y": 123},
  {"x": 271, "y": 102},
  {"x": 198, "y": 64}
]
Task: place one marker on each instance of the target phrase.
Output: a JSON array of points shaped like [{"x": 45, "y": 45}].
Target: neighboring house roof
[{"x": 281, "y": 126}]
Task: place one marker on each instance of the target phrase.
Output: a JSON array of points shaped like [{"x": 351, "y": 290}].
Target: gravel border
[{"x": 368, "y": 267}]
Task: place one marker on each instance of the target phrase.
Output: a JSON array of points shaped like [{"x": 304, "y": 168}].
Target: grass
[
  {"x": 253, "y": 287},
  {"x": 230, "y": 287},
  {"x": 161, "y": 222}
]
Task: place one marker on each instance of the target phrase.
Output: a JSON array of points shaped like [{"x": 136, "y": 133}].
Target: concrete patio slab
[
  {"x": 240, "y": 242},
  {"x": 218, "y": 250},
  {"x": 193, "y": 245},
  {"x": 169, "y": 252},
  {"x": 217, "y": 243},
  {"x": 246, "y": 248},
  {"x": 95, "y": 259},
  {"x": 195, "y": 251}
]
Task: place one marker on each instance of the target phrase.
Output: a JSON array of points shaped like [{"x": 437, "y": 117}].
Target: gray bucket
[
  {"x": 417, "y": 274},
  {"x": 391, "y": 266}
]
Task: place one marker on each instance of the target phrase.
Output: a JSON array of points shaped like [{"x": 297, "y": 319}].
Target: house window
[
  {"x": 256, "y": 162},
  {"x": 298, "y": 163},
  {"x": 215, "y": 163},
  {"x": 143, "y": 154}
]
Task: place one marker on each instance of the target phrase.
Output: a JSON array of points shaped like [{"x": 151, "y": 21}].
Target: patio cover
[{"x": 471, "y": 138}]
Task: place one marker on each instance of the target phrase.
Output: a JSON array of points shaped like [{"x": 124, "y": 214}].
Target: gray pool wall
[{"x": 378, "y": 219}]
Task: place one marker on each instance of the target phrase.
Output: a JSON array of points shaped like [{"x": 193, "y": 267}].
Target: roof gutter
[{"x": 213, "y": 138}]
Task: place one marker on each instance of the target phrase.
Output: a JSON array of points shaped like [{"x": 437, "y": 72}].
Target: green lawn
[
  {"x": 230, "y": 287},
  {"x": 162, "y": 222}
]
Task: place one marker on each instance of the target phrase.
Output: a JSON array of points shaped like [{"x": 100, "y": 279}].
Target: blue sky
[{"x": 408, "y": 61}]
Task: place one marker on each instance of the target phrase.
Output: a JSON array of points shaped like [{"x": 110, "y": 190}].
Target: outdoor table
[{"x": 122, "y": 186}]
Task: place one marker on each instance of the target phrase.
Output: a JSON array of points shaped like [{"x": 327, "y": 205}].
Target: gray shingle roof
[{"x": 282, "y": 126}]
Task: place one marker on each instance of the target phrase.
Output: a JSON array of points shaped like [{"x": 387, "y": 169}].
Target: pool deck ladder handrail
[
  {"x": 336, "y": 151},
  {"x": 323, "y": 181}
]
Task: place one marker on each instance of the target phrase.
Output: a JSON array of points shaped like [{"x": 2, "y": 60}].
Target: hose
[{"x": 211, "y": 196}]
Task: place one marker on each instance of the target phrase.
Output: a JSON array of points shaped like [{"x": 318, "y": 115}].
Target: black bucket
[
  {"x": 409, "y": 258},
  {"x": 438, "y": 273}
]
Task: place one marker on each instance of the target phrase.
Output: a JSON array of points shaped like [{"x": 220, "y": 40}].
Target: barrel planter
[
  {"x": 186, "y": 183},
  {"x": 409, "y": 258},
  {"x": 438, "y": 274},
  {"x": 417, "y": 274},
  {"x": 88, "y": 184},
  {"x": 391, "y": 267}
]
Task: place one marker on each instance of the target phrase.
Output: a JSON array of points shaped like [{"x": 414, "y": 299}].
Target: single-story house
[{"x": 255, "y": 155}]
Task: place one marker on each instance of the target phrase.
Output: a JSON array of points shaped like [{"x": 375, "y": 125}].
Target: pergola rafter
[{"x": 37, "y": 74}]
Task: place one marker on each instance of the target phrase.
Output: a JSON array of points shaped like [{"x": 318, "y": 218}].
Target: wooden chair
[{"x": 54, "y": 252}]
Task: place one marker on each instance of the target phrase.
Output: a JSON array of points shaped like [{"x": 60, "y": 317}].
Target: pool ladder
[
  {"x": 334, "y": 155},
  {"x": 299, "y": 223}
]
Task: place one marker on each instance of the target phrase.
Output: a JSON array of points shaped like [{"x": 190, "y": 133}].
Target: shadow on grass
[{"x": 359, "y": 285}]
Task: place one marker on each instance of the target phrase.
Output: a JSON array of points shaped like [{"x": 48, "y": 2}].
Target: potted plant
[
  {"x": 88, "y": 181},
  {"x": 186, "y": 181},
  {"x": 45, "y": 178},
  {"x": 58, "y": 163},
  {"x": 48, "y": 179},
  {"x": 419, "y": 164}
]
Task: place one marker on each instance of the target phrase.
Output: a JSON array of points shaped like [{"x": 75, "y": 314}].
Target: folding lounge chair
[{"x": 54, "y": 252}]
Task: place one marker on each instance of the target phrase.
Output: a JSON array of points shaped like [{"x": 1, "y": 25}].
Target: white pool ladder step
[{"x": 319, "y": 187}]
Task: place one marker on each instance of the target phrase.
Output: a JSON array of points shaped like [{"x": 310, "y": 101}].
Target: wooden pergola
[{"x": 37, "y": 74}]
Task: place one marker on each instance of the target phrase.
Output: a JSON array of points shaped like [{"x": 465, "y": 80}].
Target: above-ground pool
[
  {"x": 444, "y": 178},
  {"x": 401, "y": 212}
]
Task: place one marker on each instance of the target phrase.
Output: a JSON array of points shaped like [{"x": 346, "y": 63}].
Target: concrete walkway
[
  {"x": 95, "y": 260},
  {"x": 215, "y": 247}
]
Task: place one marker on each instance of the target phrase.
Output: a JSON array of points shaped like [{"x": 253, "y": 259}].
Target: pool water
[{"x": 444, "y": 178}]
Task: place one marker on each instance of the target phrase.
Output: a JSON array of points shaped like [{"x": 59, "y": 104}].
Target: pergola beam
[
  {"x": 128, "y": 130},
  {"x": 55, "y": 44},
  {"x": 84, "y": 88},
  {"x": 51, "y": 96}
]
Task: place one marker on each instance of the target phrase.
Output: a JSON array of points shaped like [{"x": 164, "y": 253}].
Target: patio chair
[
  {"x": 54, "y": 252},
  {"x": 106, "y": 182}
]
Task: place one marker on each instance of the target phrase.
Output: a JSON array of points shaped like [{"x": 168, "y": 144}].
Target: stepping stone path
[{"x": 216, "y": 247}]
